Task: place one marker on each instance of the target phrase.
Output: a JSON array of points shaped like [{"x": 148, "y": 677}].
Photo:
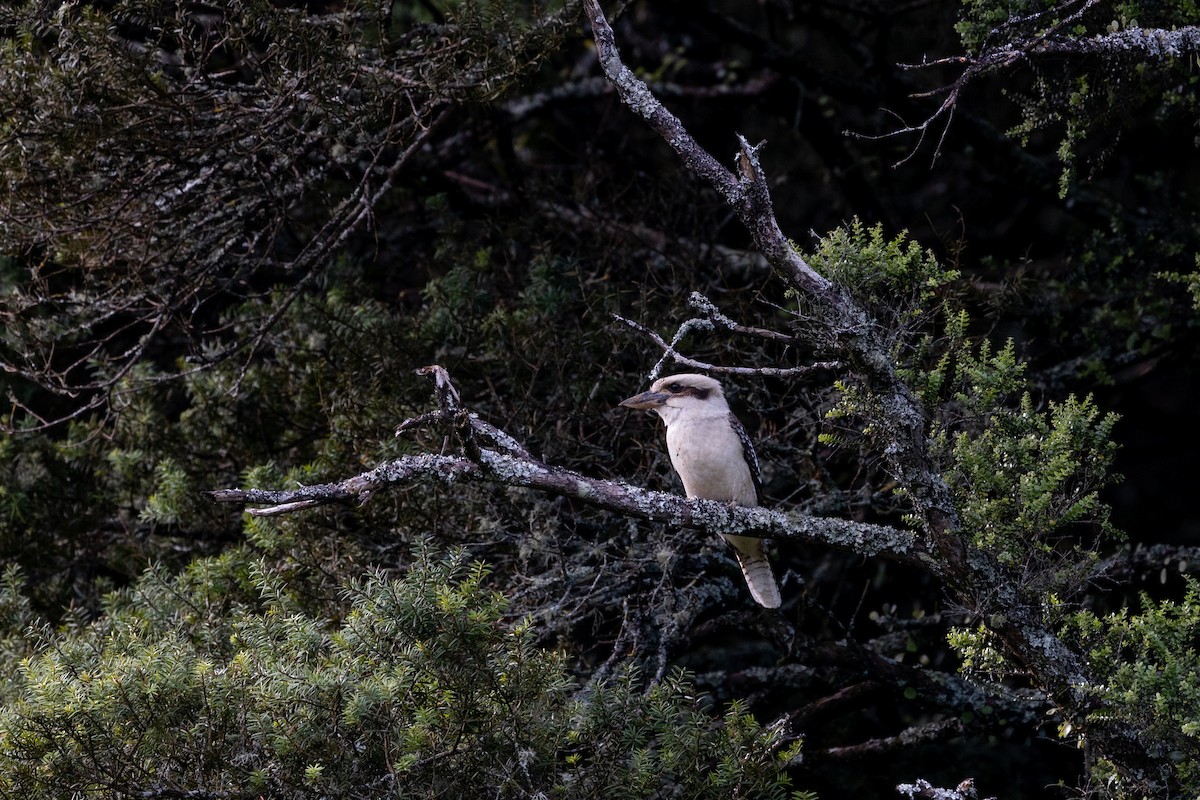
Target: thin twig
[{"x": 670, "y": 351}]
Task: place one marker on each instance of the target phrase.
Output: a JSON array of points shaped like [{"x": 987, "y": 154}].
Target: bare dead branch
[
  {"x": 443, "y": 390},
  {"x": 929, "y": 732},
  {"x": 719, "y": 319},
  {"x": 674, "y": 355}
]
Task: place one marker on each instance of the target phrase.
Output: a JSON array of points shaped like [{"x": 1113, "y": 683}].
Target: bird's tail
[{"x": 756, "y": 569}]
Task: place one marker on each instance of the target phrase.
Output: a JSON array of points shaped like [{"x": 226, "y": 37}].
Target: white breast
[{"x": 707, "y": 454}]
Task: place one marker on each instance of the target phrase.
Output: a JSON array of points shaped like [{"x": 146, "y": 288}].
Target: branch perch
[{"x": 506, "y": 463}]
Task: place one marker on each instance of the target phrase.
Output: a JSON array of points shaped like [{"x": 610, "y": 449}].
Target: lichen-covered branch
[
  {"x": 516, "y": 469},
  {"x": 917, "y": 734},
  {"x": 746, "y": 193},
  {"x": 1140, "y": 43},
  {"x": 927, "y": 791}
]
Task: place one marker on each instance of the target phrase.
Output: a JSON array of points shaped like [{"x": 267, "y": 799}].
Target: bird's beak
[{"x": 645, "y": 400}]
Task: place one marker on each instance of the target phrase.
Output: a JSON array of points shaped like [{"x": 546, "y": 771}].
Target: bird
[{"x": 714, "y": 458}]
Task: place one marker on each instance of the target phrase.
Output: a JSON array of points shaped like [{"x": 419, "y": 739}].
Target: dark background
[{"x": 530, "y": 218}]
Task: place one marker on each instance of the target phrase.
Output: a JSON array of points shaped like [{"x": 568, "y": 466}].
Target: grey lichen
[
  {"x": 502, "y": 439},
  {"x": 924, "y": 789},
  {"x": 507, "y": 469},
  {"x": 1151, "y": 42}
]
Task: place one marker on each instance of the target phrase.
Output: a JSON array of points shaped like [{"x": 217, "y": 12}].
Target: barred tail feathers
[{"x": 757, "y": 570}]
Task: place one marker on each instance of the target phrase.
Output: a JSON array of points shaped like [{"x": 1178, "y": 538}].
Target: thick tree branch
[
  {"x": 746, "y": 193},
  {"x": 507, "y": 463},
  {"x": 508, "y": 469}
]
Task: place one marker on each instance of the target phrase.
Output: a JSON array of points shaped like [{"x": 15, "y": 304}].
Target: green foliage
[
  {"x": 50, "y": 511},
  {"x": 980, "y": 17},
  {"x": 16, "y": 622},
  {"x": 980, "y": 657},
  {"x": 475, "y": 295},
  {"x": 1147, "y": 674},
  {"x": 171, "y": 493},
  {"x": 630, "y": 744},
  {"x": 1107, "y": 304},
  {"x": 954, "y": 369},
  {"x": 1190, "y": 280},
  {"x": 895, "y": 279},
  {"x": 1028, "y": 475},
  {"x": 1093, "y": 101},
  {"x": 1021, "y": 476},
  {"x": 324, "y": 387},
  {"x": 900, "y": 286},
  {"x": 221, "y": 681}
]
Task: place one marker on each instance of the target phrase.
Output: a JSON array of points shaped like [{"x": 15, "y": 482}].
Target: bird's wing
[{"x": 748, "y": 452}]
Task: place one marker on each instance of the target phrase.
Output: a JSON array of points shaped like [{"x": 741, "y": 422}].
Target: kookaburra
[{"x": 713, "y": 455}]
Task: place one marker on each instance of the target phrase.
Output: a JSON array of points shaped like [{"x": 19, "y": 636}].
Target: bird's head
[{"x": 678, "y": 393}]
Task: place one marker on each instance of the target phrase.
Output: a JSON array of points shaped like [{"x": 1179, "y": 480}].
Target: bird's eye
[{"x": 675, "y": 387}]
